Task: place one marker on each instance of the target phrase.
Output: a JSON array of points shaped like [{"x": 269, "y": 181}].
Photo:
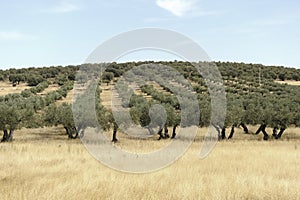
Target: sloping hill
[{"x": 256, "y": 94}]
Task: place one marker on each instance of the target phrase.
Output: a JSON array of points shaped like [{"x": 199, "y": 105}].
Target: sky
[{"x": 64, "y": 32}]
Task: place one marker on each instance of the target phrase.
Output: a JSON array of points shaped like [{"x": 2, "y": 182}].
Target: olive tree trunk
[
  {"x": 166, "y": 133},
  {"x": 174, "y": 131},
  {"x": 282, "y": 129},
  {"x": 246, "y": 131},
  {"x": 223, "y": 133},
  {"x": 5, "y": 136},
  {"x": 231, "y": 132},
  {"x": 262, "y": 129},
  {"x": 70, "y": 131},
  {"x": 10, "y": 135},
  {"x": 151, "y": 131},
  {"x": 160, "y": 133},
  {"x": 114, "y": 136},
  {"x": 218, "y": 130}
]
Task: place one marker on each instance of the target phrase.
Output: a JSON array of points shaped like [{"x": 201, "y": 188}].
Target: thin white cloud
[
  {"x": 177, "y": 7},
  {"x": 14, "y": 35},
  {"x": 64, "y": 7}
]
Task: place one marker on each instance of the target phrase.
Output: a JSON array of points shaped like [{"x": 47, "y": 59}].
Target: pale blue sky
[{"x": 62, "y": 32}]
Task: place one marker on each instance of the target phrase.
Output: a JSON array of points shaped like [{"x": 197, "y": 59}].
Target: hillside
[{"x": 256, "y": 95}]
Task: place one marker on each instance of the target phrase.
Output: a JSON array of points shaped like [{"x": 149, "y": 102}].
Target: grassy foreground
[{"x": 43, "y": 164}]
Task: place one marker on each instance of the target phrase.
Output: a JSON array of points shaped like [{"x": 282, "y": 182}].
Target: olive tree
[{"x": 15, "y": 114}]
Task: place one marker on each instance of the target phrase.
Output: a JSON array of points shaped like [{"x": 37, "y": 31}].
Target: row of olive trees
[
  {"x": 255, "y": 109},
  {"x": 274, "y": 111},
  {"x": 43, "y": 110},
  {"x": 145, "y": 112},
  {"x": 249, "y": 102},
  {"x": 23, "y": 113},
  {"x": 26, "y": 109},
  {"x": 79, "y": 115}
]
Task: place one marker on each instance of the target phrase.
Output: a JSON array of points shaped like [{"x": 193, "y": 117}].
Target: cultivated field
[{"x": 43, "y": 164}]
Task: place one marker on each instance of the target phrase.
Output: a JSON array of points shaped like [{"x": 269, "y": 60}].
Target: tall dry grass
[{"x": 43, "y": 164}]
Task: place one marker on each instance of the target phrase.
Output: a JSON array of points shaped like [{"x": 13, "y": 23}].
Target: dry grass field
[{"x": 44, "y": 164}]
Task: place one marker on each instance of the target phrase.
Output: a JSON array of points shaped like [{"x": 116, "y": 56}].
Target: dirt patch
[
  {"x": 106, "y": 95},
  {"x": 51, "y": 88},
  {"x": 7, "y": 88},
  {"x": 297, "y": 83}
]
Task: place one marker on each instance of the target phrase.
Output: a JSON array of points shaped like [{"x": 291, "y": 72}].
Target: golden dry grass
[
  {"x": 43, "y": 164},
  {"x": 7, "y": 88}
]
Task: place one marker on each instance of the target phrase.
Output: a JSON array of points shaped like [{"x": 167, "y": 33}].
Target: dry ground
[
  {"x": 297, "y": 83},
  {"x": 51, "y": 88},
  {"x": 43, "y": 164},
  {"x": 7, "y": 88}
]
